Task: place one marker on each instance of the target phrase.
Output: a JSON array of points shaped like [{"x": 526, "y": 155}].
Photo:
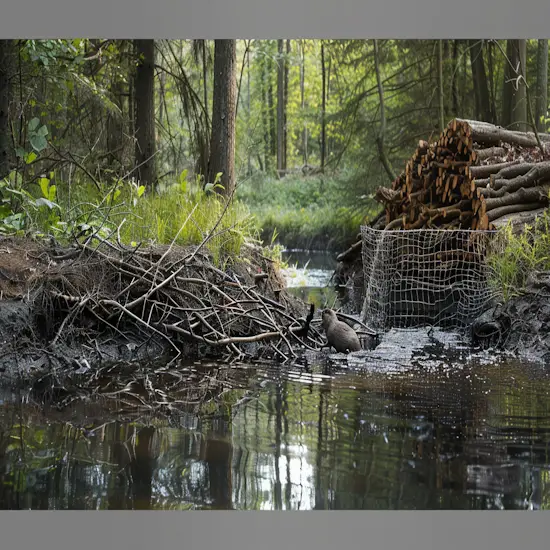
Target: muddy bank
[
  {"x": 84, "y": 306},
  {"x": 521, "y": 325}
]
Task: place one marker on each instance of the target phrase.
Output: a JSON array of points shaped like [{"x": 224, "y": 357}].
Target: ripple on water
[{"x": 421, "y": 422}]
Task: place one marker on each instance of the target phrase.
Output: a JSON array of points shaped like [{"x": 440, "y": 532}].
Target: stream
[{"x": 421, "y": 422}]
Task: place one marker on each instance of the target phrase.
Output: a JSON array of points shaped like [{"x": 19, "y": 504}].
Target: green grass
[
  {"x": 305, "y": 212},
  {"x": 182, "y": 213},
  {"x": 188, "y": 219},
  {"x": 522, "y": 255}
]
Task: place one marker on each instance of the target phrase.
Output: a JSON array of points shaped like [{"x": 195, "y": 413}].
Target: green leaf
[
  {"x": 42, "y": 131},
  {"x": 5, "y": 210},
  {"x": 20, "y": 152},
  {"x": 31, "y": 157},
  {"x": 52, "y": 192},
  {"x": 16, "y": 221},
  {"x": 38, "y": 142},
  {"x": 208, "y": 187},
  {"x": 141, "y": 190},
  {"x": 33, "y": 124},
  {"x": 44, "y": 184}
]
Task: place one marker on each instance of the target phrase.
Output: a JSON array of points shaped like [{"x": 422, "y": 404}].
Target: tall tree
[
  {"x": 541, "y": 105},
  {"x": 264, "y": 110},
  {"x": 514, "y": 101},
  {"x": 323, "y": 107},
  {"x": 440, "y": 84},
  {"x": 270, "y": 100},
  {"x": 481, "y": 88},
  {"x": 280, "y": 105},
  {"x": 141, "y": 469},
  {"x": 6, "y": 48},
  {"x": 303, "y": 99},
  {"x": 454, "y": 78},
  {"x": 145, "y": 112},
  {"x": 248, "y": 113},
  {"x": 222, "y": 144},
  {"x": 115, "y": 117},
  {"x": 491, "y": 76},
  {"x": 285, "y": 110},
  {"x": 382, "y": 132}
]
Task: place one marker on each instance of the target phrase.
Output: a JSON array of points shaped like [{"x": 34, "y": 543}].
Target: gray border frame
[
  {"x": 250, "y": 19},
  {"x": 276, "y": 19},
  {"x": 210, "y": 530}
]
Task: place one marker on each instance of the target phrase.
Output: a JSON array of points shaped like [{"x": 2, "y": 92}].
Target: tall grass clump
[
  {"x": 522, "y": 254},
  {"x": 186, "y": 213},
  {"x": 160, "y": 217}
]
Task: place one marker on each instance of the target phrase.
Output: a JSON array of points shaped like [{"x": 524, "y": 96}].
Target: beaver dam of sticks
[
  {"x": 173, "y": 296},
  {"x": 77, "y": 320}
]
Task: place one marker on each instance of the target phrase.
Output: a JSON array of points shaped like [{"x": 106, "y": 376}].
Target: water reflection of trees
[{"x": 470, "y": 440}]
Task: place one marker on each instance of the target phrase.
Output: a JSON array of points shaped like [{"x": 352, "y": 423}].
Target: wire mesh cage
[{"x": 426, "y": 277}]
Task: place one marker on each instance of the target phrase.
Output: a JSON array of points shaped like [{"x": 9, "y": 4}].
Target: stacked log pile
[{"x": 474, "y": 175}]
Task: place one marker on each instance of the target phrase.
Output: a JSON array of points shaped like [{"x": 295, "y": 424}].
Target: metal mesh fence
[{"x": 422, "y": 277}]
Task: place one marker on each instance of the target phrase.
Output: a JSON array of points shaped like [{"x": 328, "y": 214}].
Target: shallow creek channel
[{"x": 421, "y": 422}]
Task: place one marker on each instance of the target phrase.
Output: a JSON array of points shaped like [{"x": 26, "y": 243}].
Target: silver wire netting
[{"x": 436, "y": 277}]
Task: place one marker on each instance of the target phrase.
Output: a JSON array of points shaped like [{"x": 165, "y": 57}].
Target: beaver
[{"x": 339, "y": 334}]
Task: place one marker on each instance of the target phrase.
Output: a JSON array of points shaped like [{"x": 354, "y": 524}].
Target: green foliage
[
  {"x": 21, "y": 211},
  {"x": 303, "y": 211},
  {"x": 523, "y": 254},
  {"x": 77, "y": 102},
  {"x": 183, "y": 213}
]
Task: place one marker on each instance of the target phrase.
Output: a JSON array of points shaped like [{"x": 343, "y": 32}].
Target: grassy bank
[
  {"x": 181, "y": 212},
  {"x": 522, "y": 254},
  {"x": 305, "y": 212}
]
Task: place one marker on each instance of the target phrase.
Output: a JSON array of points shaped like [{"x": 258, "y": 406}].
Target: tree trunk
[
  {"x": 141, "y": 468},
  {"x": 492, "y": 93},
  {"x": 454, "y": 79},
  {"x": 440, "y": 85},
  {"x": 248, "y": 111},
  {"x": 6, "y": 48},
  {"x": 483, "y": 103},
  {"x": 303, "y": 101},
  {"x": 381, "y": 134},
  {"x": 542, "y": 84},
  {"x": 222, "y": 145},
  {"x": 323, "y": 107},
  {"x": 280, "y": 105},
  {"x": 514, "y": 103},
  {"x": 271, "y": 103},
  {"x": 145, "y": 112},
  {"x": 265, "y": 112},
  {"x": 205, "y": 79},
  {"x": 285, "y": 132},
  {"x": 115, "y": 126}
]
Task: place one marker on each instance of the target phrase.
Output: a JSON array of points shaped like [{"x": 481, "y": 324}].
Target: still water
[{"x": 422, "y": 422}]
